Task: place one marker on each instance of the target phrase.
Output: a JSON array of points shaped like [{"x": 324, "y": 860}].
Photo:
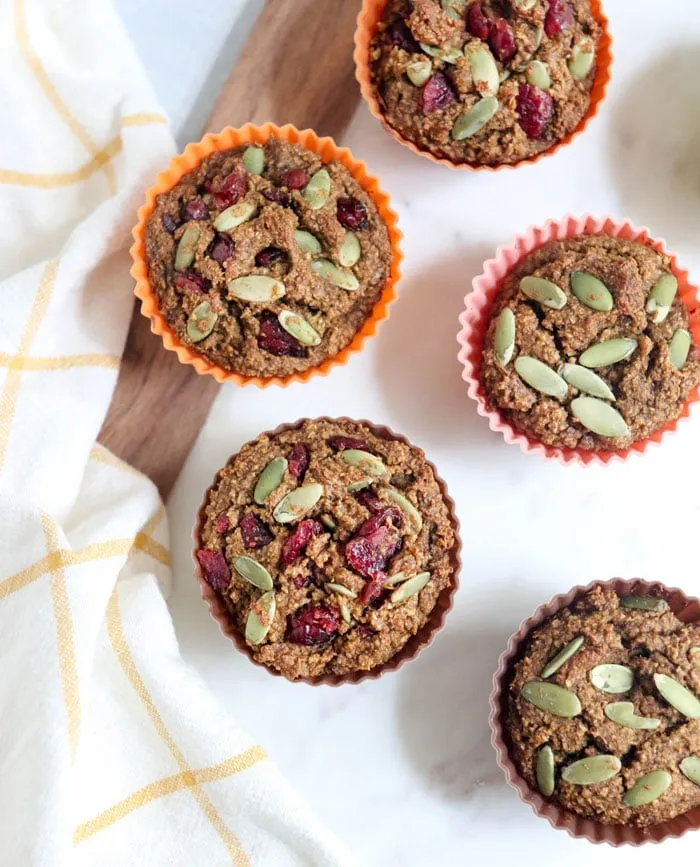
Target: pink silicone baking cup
[
  {"x": 686, "y": 609},
  {"x": 475, "y": 319}
]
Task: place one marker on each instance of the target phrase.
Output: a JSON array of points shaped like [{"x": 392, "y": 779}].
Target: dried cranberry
[
  {"x": 269, "y": 256},
  {"x": 363, "y": 557},
  {"x": 477, "y": 22},
  {"x": 299, "y": 461},
  {"x": 275, "y": 340},
  {"x": 372, "y": 589},
  {"x": 229, "y": 191},
  {"x": 273, "y": 194},
  {"x": 295, "y": 179},
  {"x": 300, "y": 581},
  {"x": 437, "y": 94},
  {"x": 296, "y": 544},
  {"x": 194, "y": 209},
  {"x": 342, "y": 442},
  {"x": 370, "y": 501},
  {"x": 364, "y": 631},
  {"x": 560, "y": 16},
  {"x": 169, "y": 223},
  {"x": 188, "y": 280},
  {"x": 222, "y": 523},
  {"x": 313, "y": 624},
  {"x": 221, "y": 249},
  {"x": 215, "y": 568},
  {"x": 380, "y": 518},
  {"x": 534, "y": 108},
  {"x": 351, "y": 213},
  {"x": 400, "y": 35},
  {"x": 501, "y": 40},
  {"x": 254, "y": 532}
]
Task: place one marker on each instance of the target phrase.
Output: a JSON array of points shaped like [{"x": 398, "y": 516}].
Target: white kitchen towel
[{"x": 111, "y": 750}]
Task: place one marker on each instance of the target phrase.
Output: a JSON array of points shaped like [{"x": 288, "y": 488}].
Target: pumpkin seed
[
  {"x": 563, "y": 656},
  {"x": 410, "y": 588},
  {"x": 484, "y": 70},
  {"x": 679, "y": 347},
  {"x": 622, "y": 713},
  {"x": 644, "y": 603},
  {"x": 690, "y": 768},
  {"x": 591, "y": 291},
  {"x": 678, "y": 696},
  {"x": 592, "y": 770},
  {"x": 552, "y": 698},
  {"x": 297, "y": 503},
  {"x": 611, "y": 678},
  {"x": 543, "y": 291},
  {"x": 585, "y": 380},
  {"x": 345, "y": 613},
  {"x": 307, "y": 242},
  {"x": 343, "y": 591},
  {"x": 447, "y": 55},
  {"x": 397, "y": 578},
  {"x": 419, "y": 71},
  {"x": 257, "y": 288},
  {"x": 350, "y": 251},
  {"x": 504, "y": 336},
  {"x": 201, "y": 322},
  {"x": 523, "y": 5},
  {"x": 608, "y": 352},
  {"x": 505, "y": 75},
  {"x": 470, "y": 122},
  {"x": 661, "y": 297},
  {"x": 580, "y": 62},
  {"x": 328, "y": 523},
  {"x": 318, "y": 189},
  {"x": 254, "y": 160},
  {"x": 406, "y": 507},
  {"x": 234, "y": 216},
  {"x": 599, "y": 417},
  {"x": 269, "y": 479},
  {"x": 364, "y": 461},
  {"x": 299, "y": 328},
  {"x": 253, "y": 572},
  {"x": 458, "y": 6},
  {"x": 542, "y": 378},
  {"x": 354, "y": 487},
  {"x": 544, "y": 771},
  {"x": 260, "y": 617},
  {"x": 184, "y": 255},
  {"x": 538, "y": 75},
  {"x": 337, "y": 276},
  {"x": 647, "y": 789}
]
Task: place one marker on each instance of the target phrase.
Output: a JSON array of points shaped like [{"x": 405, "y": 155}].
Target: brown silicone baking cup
[
  {"x": 229, "y": 138},
  {"x": 686, "y": 609},
  {"x": 434, "y": 623},
  {"x": 367, "y": 21}
]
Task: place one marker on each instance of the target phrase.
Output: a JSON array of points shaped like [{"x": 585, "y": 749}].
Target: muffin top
[
  {"x": 484, "y": 83},
  {"x": 330, "y": 545},
  {"x": 265, "y": 260},
  {"x": 603, "y": 710},
  {"x": 588, "y": 345}
]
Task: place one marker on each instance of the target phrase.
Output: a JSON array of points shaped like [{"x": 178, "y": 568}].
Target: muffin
[
  {"x": 484, "y": 83},
  {"x": 603, "y": 714},
  {"x": 264, "y": 260},
  {"x": 588, "y": 345},
  {"x": 332, "y": 546}
]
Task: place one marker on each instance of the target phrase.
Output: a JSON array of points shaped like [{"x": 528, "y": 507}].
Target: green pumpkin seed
[
  {"x": 297, "y": 503},
  {"x": 254, "y": 160},
  {"x": 269, "y": 479},
  {"x": 234, "y": 216},
  {"x": 184, "y": 255},
  {"x": 523, "y": 5},
  {"x": 538, "y": 75},
  {"x": 505, "y": 75},
  {"x": 447, "y": 55},
  {"x": 678, "y": 696},
  {"x": 365, "y": 461},
  {"x": 260, "y": 617},
  {"x": 253, "y": 572},
  {"x": 257, "y": 288},
  {"x": 552, "y": 698},
  {"x": 580, "y": 63},
  {"x": 484, "y": 70},
  {"x": 470, "y": 122},
  {"x": 328, "y": 523},
  {"x": 504, "y": 336},
  {"x": 622, "y": 713},
  {"x": 337, "y": 276},
  {"x": 540, "y": 377},
  {"x": 591, "y": 291},
  {"x": 599, "y": 417},
  {"x": 644, "y": 603},
  {"x": 661, "y": 297},
  {"x": 544, "y": 771},
  {"x": 585, "y": 380},
  {"x": 543, "y": 291},
  {"x": 354, "y": 487},
  {"x": 397, "y": 578},
  {"x": 608, "y": 352},
  {"x": 345, "y": 613},
  {"x": 350, "y": 251},
  {"x": 342, "y": 590},
  {"x": 299, "y": 328},
  {"x": 318, "y": 189},
  {"x": 419, "y": 71},
  {"x": 690, "y": 768},
  {"x": 647, "y": 789},
  {"x": 307, "y": 242},
  {"x": 410, "y": 588},
  {"x": 201, "y": 322},
  {"x": 594, "y": 769},
  {"x": 611, "y": 678},
  {"x": 679, "y": 347},
  {"x": 406, "y": 507},
  {"x": 458, "y": 6},
  {"x": 563, "y": 656}
]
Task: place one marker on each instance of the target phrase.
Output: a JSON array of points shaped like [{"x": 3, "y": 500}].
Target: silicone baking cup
[
  {"x": 475, "y": 318},
  {"x": 192, "y": 156},
  {"x": 686, "y": 609},
  {"x": 424, "y": 637},
  {"x": 367, "y": 21}
]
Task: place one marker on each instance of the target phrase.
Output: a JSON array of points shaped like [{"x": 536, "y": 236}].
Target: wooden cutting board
[{"x": 296, "y": 67}]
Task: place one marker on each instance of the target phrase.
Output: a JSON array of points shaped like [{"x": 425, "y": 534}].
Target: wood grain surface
[{"x": 296, "y": 67}]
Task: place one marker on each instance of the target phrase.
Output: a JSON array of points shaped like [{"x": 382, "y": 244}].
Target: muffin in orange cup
[
  {"x": 479, "y": 84},
  {"x": 265, "y": 255}
]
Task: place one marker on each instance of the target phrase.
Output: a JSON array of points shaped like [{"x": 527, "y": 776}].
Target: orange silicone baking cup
[
  {"x": 415, "y": 644},
  {"x": 367, "y": 21},
  {"x": 192, "y": 156},
  {"x": 686, "y": 609},
  {"x": 475, "y": 320}
]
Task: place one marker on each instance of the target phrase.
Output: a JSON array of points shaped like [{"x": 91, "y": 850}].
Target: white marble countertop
[{"x": 402, "y": 768}]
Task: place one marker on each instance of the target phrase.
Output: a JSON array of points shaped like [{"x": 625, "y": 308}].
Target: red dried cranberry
[
  {"x": 437, "y": 94},
  {"x": 313, "y": 624},
  {"x": 222, "y": 523},
  {"x": 560, "y": 16},
  {"x": 194, "y": 209},
  {"x": 379, "y": 519},
  {"x": 215, "y": 568},
  {"x": 534, "y": 109},
  {"x": 273, "y": 194},
  {"x": 275, "y": 340},
  {"x": 400, "y": 35},
  {"x": 295, "y": 179},
  {"x": 364, "y": 631},
  {"x": 254, "y": 532},
  {"x": 300, "y": 581},
  {"x": 170, "y": 223},
  {"x": 296, "y": 544},
  {"x": 351, "y": 213},
  {"x": 363, "y": 557},
  {"x": 221, "y": 249},
  {"x": 269, "y": 256},
  {"x": 370, "y": 501},
  {"x": 342, "y": 442},
  {"x": 501, "y": 40},
  {"x": 477, "y": 22},
  {"x": 229, "y": 191},
  {"x": 188, "y": 280},
  {"x": 372, "y": 589},
  {"x": 299, "y": 461}
]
